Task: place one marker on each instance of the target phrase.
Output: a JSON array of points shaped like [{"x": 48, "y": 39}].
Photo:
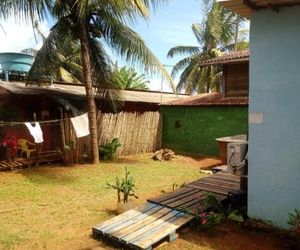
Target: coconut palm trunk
[{"x": 88, "y": 83}]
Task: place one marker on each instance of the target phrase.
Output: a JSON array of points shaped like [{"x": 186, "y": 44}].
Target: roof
[
  {"x": 231, "y": 57},
  {"x": 215, "y": 99},
  {"x": 245, "y": 8},
  {"x": 19, "y": 88}
]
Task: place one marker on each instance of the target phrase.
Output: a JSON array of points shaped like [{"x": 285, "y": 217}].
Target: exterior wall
[
  {"x": 274, "y": 145},
  {"x": 197, "y": 127},
  {"x": 236, "y": 79}
]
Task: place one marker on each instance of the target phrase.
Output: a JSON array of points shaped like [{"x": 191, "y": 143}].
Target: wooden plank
[
  {"x": 209, "y": 189},
  {"x": 218, "y": 184},
  {"x": 226, "y": 176},
  {"x": 170, "y": 195},
  {"x": 141, "y": 223},
  {"x": 165, "y": 229},
  {"x": 195, "y": 208},
  {"x": 179, "y": 197},
  {"x": 205, "y": 186},
  {"x": 142, "y": 231},
  {"x": 127, "y": 215},
  {"x": 180, "y": 203},
  {"x": 127, "y": 222}
]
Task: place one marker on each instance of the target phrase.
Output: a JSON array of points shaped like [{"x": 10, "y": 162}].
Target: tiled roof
[
  {"x": 215, "y": 99},
  {"x": 246, "y": 8},
  {"x": 232, "y": 57}
]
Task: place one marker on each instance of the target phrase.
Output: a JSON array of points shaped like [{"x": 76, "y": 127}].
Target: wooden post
[{"x": 63, "y": 136}]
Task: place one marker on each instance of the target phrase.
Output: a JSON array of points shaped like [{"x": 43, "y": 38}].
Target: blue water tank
[{"x": 15, "y": 62}]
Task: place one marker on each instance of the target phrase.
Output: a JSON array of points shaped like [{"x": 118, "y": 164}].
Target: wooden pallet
[
  {"x": 144, "y": 226},
  {"x": 161, "y": 216},
  {"x": 46, "y": 157},
  {"x": 5, "y": 165}
]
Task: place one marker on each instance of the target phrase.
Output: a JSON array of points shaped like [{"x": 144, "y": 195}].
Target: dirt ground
[{"x": 54, "y": 207}]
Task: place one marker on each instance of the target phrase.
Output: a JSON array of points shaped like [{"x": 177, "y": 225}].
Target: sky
[{"x": 168, "y": 26}]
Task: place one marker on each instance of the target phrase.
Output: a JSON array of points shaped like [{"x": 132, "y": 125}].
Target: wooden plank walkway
[{"x": 162, "y": 216}]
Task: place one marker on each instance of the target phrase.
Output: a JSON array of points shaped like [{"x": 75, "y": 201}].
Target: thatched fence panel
[{"x": 138, "y": 133}]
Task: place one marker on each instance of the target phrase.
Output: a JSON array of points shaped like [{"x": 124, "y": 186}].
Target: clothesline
[
  {"x": 40, "y": 122},
  {"x": 80, "y": 124}
]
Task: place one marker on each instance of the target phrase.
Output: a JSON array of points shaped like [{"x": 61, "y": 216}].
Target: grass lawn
[{"x": 54, "y": 207}]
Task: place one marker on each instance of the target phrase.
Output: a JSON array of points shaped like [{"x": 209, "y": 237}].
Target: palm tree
[
  {"x": 90, "y": 23},
  {"x": 215, "y": 34},
  {"x": 128, "y": 78}
]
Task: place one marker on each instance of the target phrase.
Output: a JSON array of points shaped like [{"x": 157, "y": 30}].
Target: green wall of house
[{"x": 194, "y": 129}]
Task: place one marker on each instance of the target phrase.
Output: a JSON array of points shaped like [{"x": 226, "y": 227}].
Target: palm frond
[
  {"x": 183, "y": 50},
  {"x": 129, "y": 45}
]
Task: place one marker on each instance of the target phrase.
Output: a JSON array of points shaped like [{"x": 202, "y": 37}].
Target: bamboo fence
[{"x": 138, "y": 133}]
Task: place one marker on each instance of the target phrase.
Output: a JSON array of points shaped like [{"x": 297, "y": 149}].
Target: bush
[{"x": 108, "y": 151}]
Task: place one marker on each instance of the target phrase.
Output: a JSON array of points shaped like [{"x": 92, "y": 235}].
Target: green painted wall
[{"x": 200, "y": 126}]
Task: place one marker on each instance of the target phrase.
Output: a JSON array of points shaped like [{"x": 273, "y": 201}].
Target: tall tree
[
  {"x": 215, "y": 34},
  {"x": 91, "y": 23},
  {"x": 128, "y": 78}
]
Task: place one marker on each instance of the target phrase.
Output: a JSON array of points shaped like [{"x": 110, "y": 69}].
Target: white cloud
[
  {"x": 155, "y": 85},
  {"x": 17, "y": 36}
]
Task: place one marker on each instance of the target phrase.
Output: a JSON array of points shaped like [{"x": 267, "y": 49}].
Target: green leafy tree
[
  {"x": 91, "y": 24},
  {"x": 215, "y": 34},
  {"x": 128, "y": 78}
]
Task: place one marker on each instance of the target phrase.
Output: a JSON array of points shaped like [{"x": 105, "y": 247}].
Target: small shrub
[
  {"x": 125, "y": 186},
  {"x": 108, "y": 151}
]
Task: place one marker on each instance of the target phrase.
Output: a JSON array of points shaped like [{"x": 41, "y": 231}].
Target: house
[
  {"x": 235, "y": 67},
  {"x": 274, "y": 121},
  {"x": 191, "y": 125},
  {"x": 18, "y": 103}
]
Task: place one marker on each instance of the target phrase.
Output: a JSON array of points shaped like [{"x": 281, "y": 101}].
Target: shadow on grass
[{"x": 46, "y": 175}]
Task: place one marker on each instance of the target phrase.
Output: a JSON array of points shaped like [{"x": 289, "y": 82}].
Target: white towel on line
[
  {"x": 81, "y": 125},
  {"x": 35, "y": 131}
]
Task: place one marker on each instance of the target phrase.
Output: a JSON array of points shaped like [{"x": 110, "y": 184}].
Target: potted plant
[
  {"x": 294, "y": 220},
  {"x": 125, "y": 188}
]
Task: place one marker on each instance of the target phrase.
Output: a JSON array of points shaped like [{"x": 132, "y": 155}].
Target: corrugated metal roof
[
  {"x": 215, "y": 99},
  {"x": 230, "y": 57},
  {"x": 79, "y": 91}
]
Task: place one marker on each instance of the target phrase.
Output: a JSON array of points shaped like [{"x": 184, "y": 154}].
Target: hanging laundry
[
  {"x": 35, "y": 131},
  {"x": 81, "y": 125}
]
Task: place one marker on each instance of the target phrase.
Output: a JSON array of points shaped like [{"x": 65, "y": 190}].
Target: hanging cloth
[
  {"x": 81, "y": 125},
  {"x": 35, "y": 131}
]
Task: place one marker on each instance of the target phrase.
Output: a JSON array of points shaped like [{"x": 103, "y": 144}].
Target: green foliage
[
  {"x": 125, "y": 186},
  {"x": 108, "y": 151},
  {"x": 294, "y": 219},
  {"x": 217, "y": 32},
  {"x": 217, "y": 212},
  {"x": 128, "y": 78},
  {"x": 236, "y": 216},
  {"x": 212, "y": 202}
]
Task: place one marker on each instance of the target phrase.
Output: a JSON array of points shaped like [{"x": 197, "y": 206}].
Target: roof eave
[{"x": 233, "y": 61}]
